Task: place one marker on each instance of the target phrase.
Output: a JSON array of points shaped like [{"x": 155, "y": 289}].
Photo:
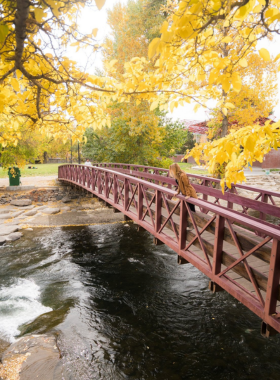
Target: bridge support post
[
  {"x": 218, "y": 245},
  {"x": 181, "y": 260},
  {"x": 267, "y": 331},
  {"x": 157, "y": 241},
  {"x": 115, "y": 189},
  {"x": 214, "y": 288},
  {"x": 126, "y": 218},
  {"x": 99, "y": 182},
  {"x": 273, "y": 279},
  {"x": 115, "y": 210},
  {"x": 140, "y": 202},
  {"x": 183, "y": 226},
  {"x": 140, "y": 228}
]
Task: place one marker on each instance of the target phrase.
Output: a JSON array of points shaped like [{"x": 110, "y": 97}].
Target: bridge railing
[
  {"x": 246, "y": 266},
  {"x": 262, "y": 201}
]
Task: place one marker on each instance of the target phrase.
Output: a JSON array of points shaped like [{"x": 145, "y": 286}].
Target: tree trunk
[
  {"x": 224, "y": 126},
  {"x": 45, "y": 157}
]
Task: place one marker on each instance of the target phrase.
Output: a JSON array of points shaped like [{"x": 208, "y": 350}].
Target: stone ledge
[
  {"x": 42, "y": 194},
  {"x": 26, "y": 188},
  {"x": 17, "y": 188}
]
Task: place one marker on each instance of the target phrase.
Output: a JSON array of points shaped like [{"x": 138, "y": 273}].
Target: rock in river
[
  {"x": 32, "y": 357},
  {"x": 5, "y": 216},
  {"x": 21, "y": 202},
  {"x": 14, "y": 236},
  {"x": 7, "y": 230},
  {"x": 4, "y": 211},
  {"x": 15, "y": 214},
  {"x": 51, "y": 210},
  {"x": 30, "y": 213},
  {"x": 3, "y": 239},
  {"x": 66, "y": 199}
]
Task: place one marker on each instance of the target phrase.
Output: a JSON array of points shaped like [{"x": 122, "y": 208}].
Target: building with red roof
[{"x": 198, "y": 128}]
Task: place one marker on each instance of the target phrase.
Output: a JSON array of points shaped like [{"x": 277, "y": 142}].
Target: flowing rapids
[{"x": 124, "y": 309}]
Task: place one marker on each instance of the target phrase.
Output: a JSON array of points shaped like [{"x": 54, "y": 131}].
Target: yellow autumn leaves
[
  {"x": 204, "y": 51},
  {"x": 238, "y": 149}
]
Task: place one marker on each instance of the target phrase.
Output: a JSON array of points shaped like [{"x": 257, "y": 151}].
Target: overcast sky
[{"x": 93, "y": 18}]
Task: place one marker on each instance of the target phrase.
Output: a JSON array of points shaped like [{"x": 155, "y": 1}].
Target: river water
[{"x": 124, "y": 309}]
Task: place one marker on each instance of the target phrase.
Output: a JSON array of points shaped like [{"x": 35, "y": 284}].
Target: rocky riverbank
[
  {"x": 23, "y": 215},
  {"x": 41, "y": 194},
  {"x": 51, "y": 206},
  {"x": 32, "y": 357}
]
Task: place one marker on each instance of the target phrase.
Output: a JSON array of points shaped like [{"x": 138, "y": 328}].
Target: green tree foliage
[
  {"x": 177, "y": 139},
  {"x": 32, "y": 146},
  {"x": 135, "y": 136}
]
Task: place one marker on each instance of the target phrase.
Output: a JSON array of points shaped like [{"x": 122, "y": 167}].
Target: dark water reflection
[{"x": 125, "y": 310}]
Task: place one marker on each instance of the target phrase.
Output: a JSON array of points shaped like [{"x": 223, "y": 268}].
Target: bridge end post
[
  {"x": 181, "y": 260},
  {"x": 267, "y": 331},
  {"x": 157, "y": 241},
  {"x": 126, "y": 218},
  {"x": 214, "y": 288}
]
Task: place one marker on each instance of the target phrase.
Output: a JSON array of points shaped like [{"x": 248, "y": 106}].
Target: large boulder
[
  {"x": 3, "y": 211},
  {"x": 7, "y": 230},
  {"x": 41, "y": 207},
  {"x": 21, "y": 202},
  {"x": 30, "y": 213},
  {"x": 30, "y": 207},
  {"x": 51, "y": 210},
  {"x": 13, "y": 222},
  {"x": 15, "y": 214},
  {"x": 3, "y": 240},
  {"x": 14, "y": 236},
  {"x": 5, "y": 216},
  {"x": 32, "y": 357},
  {"x": 88, "y": 206},
  {"x": 66, "y": 199}
]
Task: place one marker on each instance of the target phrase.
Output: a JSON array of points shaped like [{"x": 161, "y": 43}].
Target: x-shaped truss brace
[
  {"x": 243, "y": 258},
  {"x": 120, "y": 194},
  {"x": 132, "y": 197},
  {"x": 148, "y": 206},
  {"x": 110, "y": 184},
  {"x": 169, "y": 217},
  {"x": 198, "y": 234}
]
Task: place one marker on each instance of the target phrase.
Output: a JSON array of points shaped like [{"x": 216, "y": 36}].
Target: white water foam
[
  {"x": 131, "y": 260},
  {"x": 19, "y": 303}
]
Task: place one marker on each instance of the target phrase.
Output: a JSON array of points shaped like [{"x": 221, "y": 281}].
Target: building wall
[
  {"x": 191, "y": 160},
  {"x": 178, "y": 157},
  {"x": 272, "y": 160}
]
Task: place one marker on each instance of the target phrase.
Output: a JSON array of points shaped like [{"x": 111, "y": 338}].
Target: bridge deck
[{"x": 238, "y": 252}]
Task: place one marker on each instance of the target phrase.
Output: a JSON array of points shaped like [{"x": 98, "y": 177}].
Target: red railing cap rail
[
  {"x": 227, "y": 214},
  {"x": 204, "y": 177},
  {"x": 211, "y": 179},
  {"x": 134, "y": 165}
]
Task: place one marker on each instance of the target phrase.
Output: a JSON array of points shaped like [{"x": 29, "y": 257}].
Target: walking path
[{"x": 38, "y": 181}]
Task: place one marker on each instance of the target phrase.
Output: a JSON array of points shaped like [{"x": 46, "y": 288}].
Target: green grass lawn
[
  {"x": 188, "y": 169},
  {"x": 43, "y": 170}
]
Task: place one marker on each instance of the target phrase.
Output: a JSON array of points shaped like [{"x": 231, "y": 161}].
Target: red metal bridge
[{"x": 233, "y": 239}]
